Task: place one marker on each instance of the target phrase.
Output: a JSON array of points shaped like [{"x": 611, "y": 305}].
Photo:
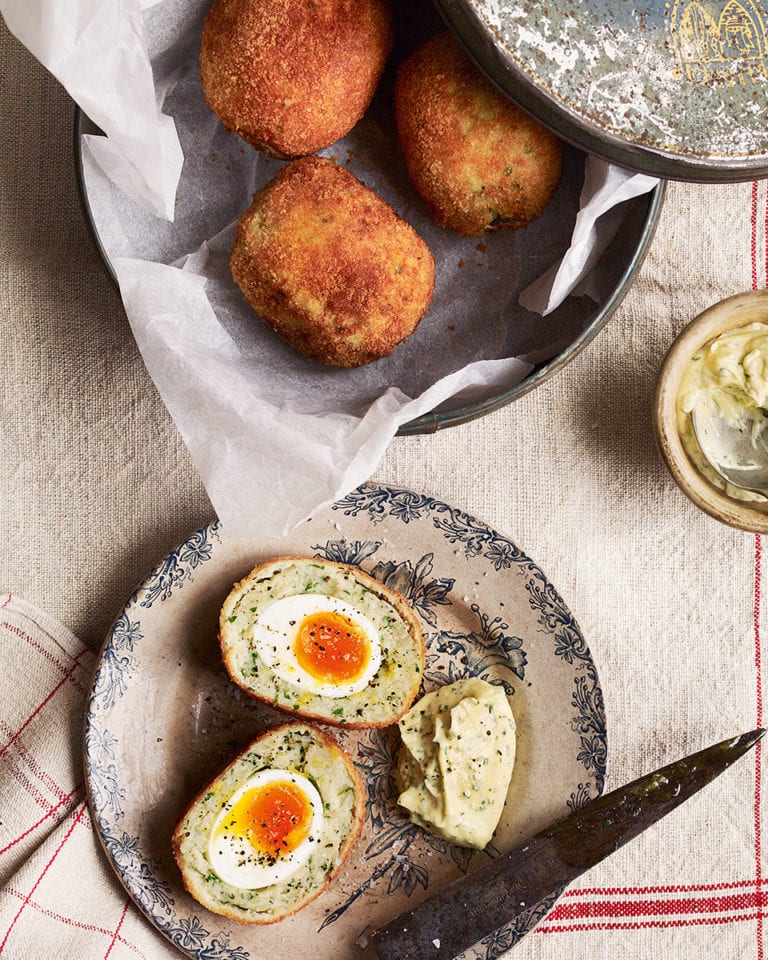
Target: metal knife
[{"x": 474, "y": 906}]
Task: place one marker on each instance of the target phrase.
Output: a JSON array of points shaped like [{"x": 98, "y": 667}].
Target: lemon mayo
[
  {"x": 730, "y": 373},
  {"x": 456, "y": 759}
]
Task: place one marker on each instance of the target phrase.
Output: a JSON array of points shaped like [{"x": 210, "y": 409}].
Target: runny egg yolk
[
  {"x": 318, "y": 644},
  {"x": 267, "y": 830},
  {"x": 331, "y": 648},
  {"x": 275, "y": 817}
]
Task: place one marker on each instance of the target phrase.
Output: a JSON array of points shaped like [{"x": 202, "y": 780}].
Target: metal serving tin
[{"x": 675, "y": 88}]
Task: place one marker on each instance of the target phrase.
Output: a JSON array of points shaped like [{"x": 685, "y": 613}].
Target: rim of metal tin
[
  {"x": 432, "y": 422},
  {"x": 83, "y": 125},
  {"x": 500, "y": 67}
]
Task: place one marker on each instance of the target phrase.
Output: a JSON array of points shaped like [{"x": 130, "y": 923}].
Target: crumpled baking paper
[
  {"x": 599, "y": 219},
  {"x": 276, "y": 437},
  {"x": 96, "y": 49}
]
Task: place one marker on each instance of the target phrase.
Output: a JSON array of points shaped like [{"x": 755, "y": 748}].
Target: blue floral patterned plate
[{"x": 163, "y": 717}]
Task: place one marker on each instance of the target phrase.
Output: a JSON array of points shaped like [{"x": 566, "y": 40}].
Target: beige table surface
[{"x": 96, "y": 485}]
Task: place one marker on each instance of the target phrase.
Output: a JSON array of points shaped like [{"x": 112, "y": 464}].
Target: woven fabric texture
[{"x": 95, "y": 486}]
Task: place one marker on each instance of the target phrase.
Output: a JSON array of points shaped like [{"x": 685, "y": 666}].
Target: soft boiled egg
[
  {"x": 267, "y": 830},
  {"x": 320, "y": 644}
]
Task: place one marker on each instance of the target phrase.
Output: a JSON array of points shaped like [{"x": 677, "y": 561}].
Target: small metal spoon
[{"x": 737, "y": 451}]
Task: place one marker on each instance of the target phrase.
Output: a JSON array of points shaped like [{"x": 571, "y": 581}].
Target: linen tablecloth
[{"x": 96, "y": 486}]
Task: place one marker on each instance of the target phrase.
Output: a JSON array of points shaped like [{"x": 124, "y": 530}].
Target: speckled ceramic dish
[
  {"x": 163, "y": 717},
  {"x": 676, "y": 88}
]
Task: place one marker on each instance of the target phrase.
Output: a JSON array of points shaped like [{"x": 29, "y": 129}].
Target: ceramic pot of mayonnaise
[{"x": 720, "y": 360}]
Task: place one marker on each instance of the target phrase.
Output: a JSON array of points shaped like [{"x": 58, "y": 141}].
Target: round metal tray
[{"x": 675, "y": 88}]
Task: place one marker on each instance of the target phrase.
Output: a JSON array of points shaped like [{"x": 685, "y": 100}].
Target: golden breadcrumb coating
[
  {"x": 293, "y": 76},
  {"x": 479, "y": 161},
  {"x": 330, "y": 265}
]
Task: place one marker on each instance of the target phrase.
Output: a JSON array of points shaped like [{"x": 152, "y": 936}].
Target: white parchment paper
[
  {"x": 599, "y": 219},
  {"x": 274, "y": 436}
]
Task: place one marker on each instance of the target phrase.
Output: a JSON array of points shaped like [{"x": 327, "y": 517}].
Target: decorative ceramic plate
[{"x": 163, "y": 718}]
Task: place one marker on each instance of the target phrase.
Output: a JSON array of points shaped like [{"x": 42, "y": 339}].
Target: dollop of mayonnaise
[
  {"x": 456, "y": 760},
  {"x": 730, "y": 373}
]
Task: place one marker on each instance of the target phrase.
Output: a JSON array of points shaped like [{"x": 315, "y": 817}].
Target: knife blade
[{"x": 474, "y": 906}]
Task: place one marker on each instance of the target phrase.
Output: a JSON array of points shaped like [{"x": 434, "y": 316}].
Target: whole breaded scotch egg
[
  {"x": 322, "y": 640},
  {"x": 330, "y": 265},
  {"x": 293, "y": 76},
  {"x": 479, "y": 161}
]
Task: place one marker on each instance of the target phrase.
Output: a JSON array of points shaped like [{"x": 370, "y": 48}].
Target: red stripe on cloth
[
  {"x": 765, "y": 265},
  {"x": 30, "y": 762},
  {"x": 646, "y": 924},
  {"x": 18, "y": 632},
  {"x": 70, "y": 922},
  {"x": 28, "y": 787},
  {"x": 42, "y": 819},
  {"x": 753, "y": 244},
  {"x": 754, "y": 900},
  {"x": 40, "y": 706},
  {"x": 39, "y": 880},
  {"x": 668, "y": 888},
  {"x": 6, "y": 602},
  {"x": 117, "y": 930}
]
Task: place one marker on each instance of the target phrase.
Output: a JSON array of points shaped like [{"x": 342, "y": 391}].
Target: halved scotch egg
[
  {"x": 267, "y": 835},
  {"x": 323, "y": 640}
]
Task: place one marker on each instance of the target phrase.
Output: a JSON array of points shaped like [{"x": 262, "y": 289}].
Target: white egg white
[
  {"x": 237, "y": 862},
  {"x": 274, "y": 634}
]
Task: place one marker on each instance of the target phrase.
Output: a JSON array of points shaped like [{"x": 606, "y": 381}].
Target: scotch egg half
[
  {"x": 323, "y": 640},
  {"x": 268, "y": 834}
]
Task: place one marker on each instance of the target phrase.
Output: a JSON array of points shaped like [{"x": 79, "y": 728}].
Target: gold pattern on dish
[{"x": 725, "y": 41}]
